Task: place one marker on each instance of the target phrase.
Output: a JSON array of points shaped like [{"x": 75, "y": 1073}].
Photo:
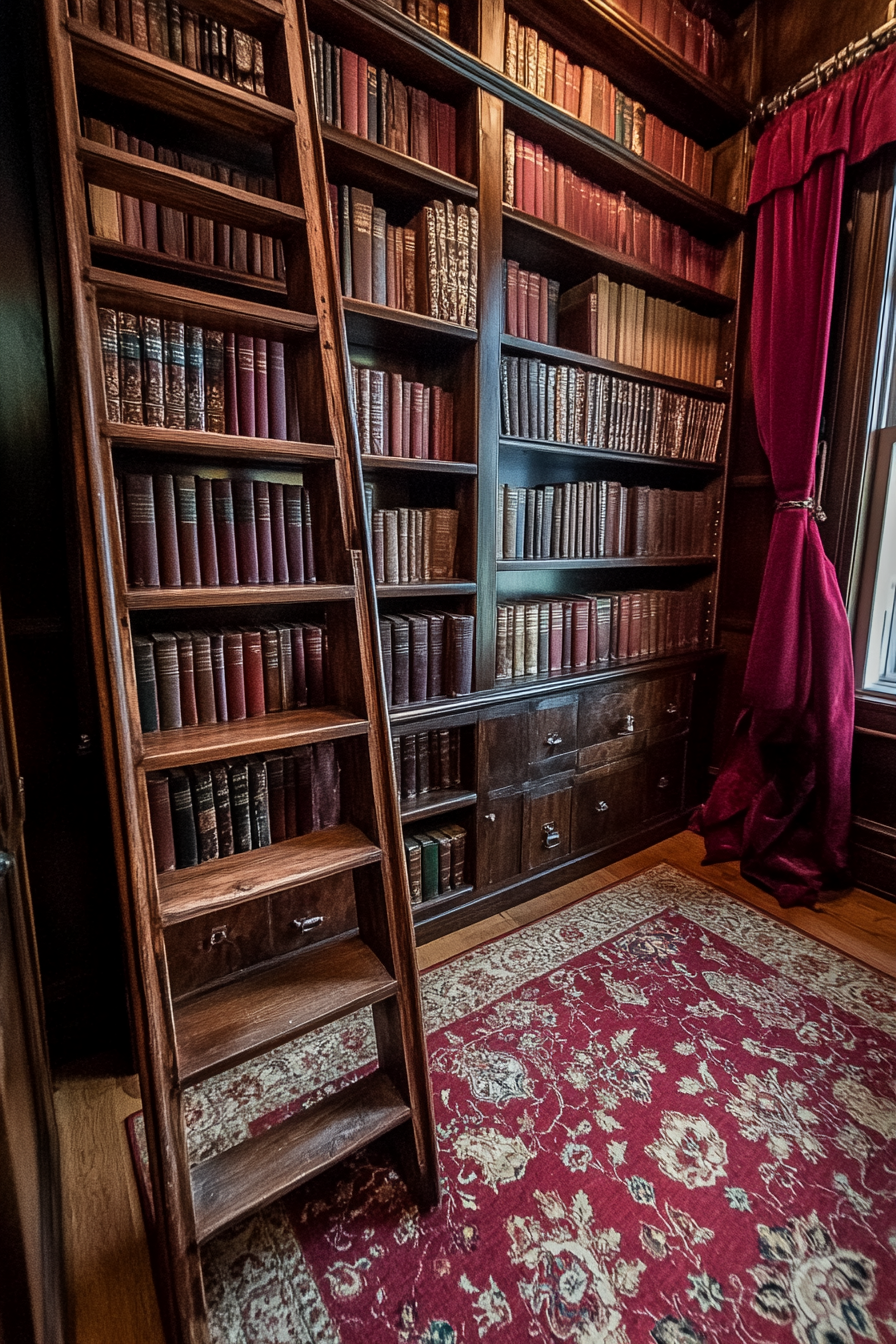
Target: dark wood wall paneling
[{"x": 67, "y": 830}]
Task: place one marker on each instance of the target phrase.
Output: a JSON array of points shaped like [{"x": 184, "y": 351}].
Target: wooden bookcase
[
  {"x": 608, "y": 759},
  {"x": 222, "y": 964}
]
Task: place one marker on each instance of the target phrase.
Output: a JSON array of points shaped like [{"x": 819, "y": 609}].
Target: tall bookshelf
[
  {"x": 559, "y": 772},
  {"x": 241, "y": 953}
]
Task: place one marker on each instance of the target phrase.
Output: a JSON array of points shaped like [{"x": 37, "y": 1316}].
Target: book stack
[
  {"x": 530, "y": 304},
  {"x": 682, "y": 28},
  {"x": 552, "y": 191},
  {"x": 192, "y": 532},
  {"x": 624, "y": 324},
  {"x": 589, "y": 95},
  {"x": 574, "y": 632},
  {"x": 158, "y": 228},
  {"x": 427, "y": 655},
  {"x": 230, "y": 807},
  {"x": 432, "y": 14},
  {"x": 185, "y": 677},
  {"x": 582, "y": 520},
  {"x": 179, "y": 34},
  {"x": 354, "y": 95},
  {"x": 426, "y": 762},
  {"x": 430, "y": 266},
  {"x": 399, "y": 418},
  {"x": 161, "y": 371},
  {"x": 435, "y": 861},
  {"x": 413, "y": 545},
  {"x": 560, "y": 403}
]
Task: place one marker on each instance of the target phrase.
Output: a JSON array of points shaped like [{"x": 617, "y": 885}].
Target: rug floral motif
[{"x": 661, "y": 1116}]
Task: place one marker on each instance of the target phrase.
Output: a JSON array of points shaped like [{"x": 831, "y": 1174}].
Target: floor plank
[{"x": 110, "y": 1284}]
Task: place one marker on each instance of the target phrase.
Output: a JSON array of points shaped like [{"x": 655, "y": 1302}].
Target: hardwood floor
[{"x": 111, "y": 1296}]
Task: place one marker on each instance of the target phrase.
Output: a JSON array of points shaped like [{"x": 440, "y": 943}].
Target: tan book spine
[
  {"x": 544, "y": 54},
  {"x": 451, "y": 244},
  {"x": 511, "y": 40},
  {"x": 509, "y": 166},
  {"x": 473, "y": 301},
  {"x": 463, "y": 263}
]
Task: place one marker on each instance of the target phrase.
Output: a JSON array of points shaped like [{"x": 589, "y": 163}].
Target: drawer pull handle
[
  {"x": 663, "y": 782},
  {"x": 554, "y": 740},
  {"x": 602, "y": 806},
  {"x": 671, "y": 709},
  {"x": 629, "y": 725},
  {"x": 218, "y": 936},
  {"x": 550, "y": 836},
  {"x": 490, "y": 816},
  {"x": 306, "y": 925}
]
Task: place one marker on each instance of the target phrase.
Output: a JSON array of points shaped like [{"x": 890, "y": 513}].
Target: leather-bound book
[
  {"x": 290, "y": 813},
  {"x": 279, "y": 566},
  {"x": 378, "y": 256},
  {"x": 220, "y": 785},
  {"x": 276, "y": 795},
  {"x": 204, "y": 812},
  {"x": 172, "y": 223},
  {"x": 348, "y": 65},
  {"x": 149, "y": 211},
  {"x": 245, "y": 531},
  {"x": 401, "y": 672},
  {"x": 253, "y": 672},
  {"x": 362, "y": 244},
  {"x": 206, "y": 533},
  {"x": 184, "y": 493},
  {"x": 166, "y": 530},
  {"x": 145, "y": 676},
  {"x": 108, "y": 324},
  {"x": 263, "y": 536},
  {"x": 213, "y": 368},
  {"x": 158, "y": 796},
  {"x": 245, "y": 385},
  {"x": 167, "y": 680},
  {"x": 435, "y": 658},
  {"x": 203, "y": 677},
  {"x": 314, "y": 665},
  {"x": 234, "y": 675},
  {"x": 363, "y": 105},
  {"x": 325, "y": 786},
  {"x": 225, "y": 534},
  {"x": 373, "y": 102},
  {"x": 188, "y": 709},
  {"x": 299, "y": 675},
  {"x": 423, "y": 769},
  {"x": 412, "y": 856},
  {"x": 222, "y": 232},
  {"x": 458, "y": 837},
  {"x": 174, "y": 374},
  {"x": 157, "y": 27},
  {"x": 418, "y": 631},
  {"x": 295, "y": 551},
  {"x": 219, "y": 676},
  {"x": 261, "y": 387},
  {"x": 287, "y": 678},
  {"x": 443, "y": 844},
  {"x": 276, "y": 390},
  {"x": 270, "y": 653},
  {"x": 308, "y": 537},
  {"x": 183, "y": 820},
  {"x": 240, "y": 812},
  {"x": 131, "y": 224},
  {"x": 304, "y": 764},
  {"x": 195, "y": 377},
  {"x": 386, "y": 651},
  {"x": 130, "y": 377},
  {"x": 259, "y": 813},
  {"x": 140, "y": 531},
  {"x": 175, "y": 36},
  {"x": 429, "y": 864}
]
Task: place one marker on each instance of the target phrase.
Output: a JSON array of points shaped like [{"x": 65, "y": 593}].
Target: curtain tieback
[{"x": 812, "y": 505}]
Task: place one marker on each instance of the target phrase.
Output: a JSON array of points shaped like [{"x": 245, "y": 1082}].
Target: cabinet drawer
[
  {"x": 667, "y": 706},
  {"x": 313, "y": 912},
  {"x": 552, "y": 735},
  {"x": 664, "y": 779},
  {"x": 503, "y": 748},
  {"x": 499, "y": 829},
  {"x": 213, "y": 947},
  {"x": 611, "y": 726},
  {"x": 546, "y": 826},
  {"x": 607, "y": 803}
]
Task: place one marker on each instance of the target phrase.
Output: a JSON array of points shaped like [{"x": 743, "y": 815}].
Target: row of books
[
  {"x": 625, "y": 324},
  {"x": 169, "y": 29},
  {"x": 192, "y": 531},
  {"x": 164, "y": 372},
  {"x": 433, "y": 14},
  {"x": 231, "y": 807},
  {"x": 560, "y": 403},
  {"x": 413, "y": 545},
  {"x": 186, "y": 677},
  {"x": 573, "y": 632},
  {"x": 435, "y": 861},
  {"x": 430, "y": 266},
  {"x": 426, "y": 762},
  {"x": 581, "y": 520},
  {"x": 353, "y": 94},
  {"x": 399, "y": 418},
  {"x": 588, "y": 94},
  {"x": 689, "y": 32},
  {"x": 531, "y": 304},
  {"x": 159, "y": 228},
  {"x": 541, "y": 186},
  {"x": 427, "y": 655}
]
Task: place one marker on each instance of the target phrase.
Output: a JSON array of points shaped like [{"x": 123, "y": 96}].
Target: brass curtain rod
[{"x": 824, "y": 71}]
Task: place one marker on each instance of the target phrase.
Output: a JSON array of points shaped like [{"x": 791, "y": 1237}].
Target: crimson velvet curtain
[{"x": 781, "y": 802}]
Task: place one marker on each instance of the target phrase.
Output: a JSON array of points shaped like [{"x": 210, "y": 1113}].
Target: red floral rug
[{"x": 662, "y": 1117}]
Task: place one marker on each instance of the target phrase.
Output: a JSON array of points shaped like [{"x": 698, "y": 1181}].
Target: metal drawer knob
[
  {"x": 553, "y": 740},
  {"x": 629, "y": 725},
  {"x": 602, "y": 806},
  {"x": 671, "y": 709},
  {"x": 306, "y": 925},
  {"x": 663, "y": 782},
  {"x": 218, "y": 936},
  {"x": 550, "y": 835},
  {"x": 490, "y": 816},
  {"x": 7, "y": 863}
]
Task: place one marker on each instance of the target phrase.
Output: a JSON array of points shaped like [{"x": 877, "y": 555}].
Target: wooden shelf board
[
  {"x": 216, "y": 310},
  {"x": 201, "y": 443},
  {"x": 574, "y": 450},
  {"x": 215, "y": 886},
  {"x": 116, "y": 67},
  {"x": 372, "y": 323},
  {"x": 546, "y": 247},
  {"x": 108, "y": 250},
  {"x": 542, "y": 351},
  {"x": 152, "y": 181},
  {"x": 222, "y": 1027},
  {"x": 444, "y": 897},
  {"x": 243, "y": 595},
  {"x": 177, "y": 747},
  {"x": 375, "y": 462},
  {"x": 433, "y": 804},
  {"x": 607, "y": 562},
  {"x": 448, "y": 588},
  {"x": 356, "y": 159},
  {"x": 242, "y": 1179}
]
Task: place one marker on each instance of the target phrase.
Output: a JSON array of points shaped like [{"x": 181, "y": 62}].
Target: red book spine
[
  {"x": 518, "y": 173},
  {"x": 140, "y": 531},
  {"x": 253, "y": 674},
  {"x": 299, "y": 680},
  {"x": 543, "y": 309},
  {"x": 349, "y": 72},
  {"x": 314, "y": 664},
  {"x": 538, "y": 209},
  {"x": 149, "y": 211},
  {"x": 131, "y": 225},
  {"x": 261, "y": 387},
  {"x": 295, "y": 554},
  {"x": 534, "y": 303},
  {"x": 276, "y": 390},
  {"x": 280, "y": 559},
  {"x": 528, "y": 156},
  {"x": 205, "y": 527},
  {"x": 189, "y": 712},
  {"x": 447, "y": 453},
  {"x": 225, "y": 536},
  {"x": 233, "y": 675},
  {"x": 187, "y": 531},
  {"x": 166, "y": 530},
  {"x": 244, "y": 528},
  {"x": 245, "y": 385},
  {"x": 231, "y": 399},
  {"x": 362, "y": 97},
  {"x": 263, "y": 536},
  {"x": 436, "y": 428},
  {"x": 160, "y": 820}
]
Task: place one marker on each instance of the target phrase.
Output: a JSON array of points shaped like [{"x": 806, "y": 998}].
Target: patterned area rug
[{"x": 662, "y": 1117}]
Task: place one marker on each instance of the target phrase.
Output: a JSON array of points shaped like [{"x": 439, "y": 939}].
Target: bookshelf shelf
[
  {"x": 154, "y": 296},
  {"x": 239, "y": 282},
  {"x": 410, "y": 591},
  {"x": 435, "y": 803},
  {"x": 609, "y": 562},
  {"x": 576, "y": 452},
  {"x": 353, "y": 159},
  {"x": 445, "y": 898},
  {"x": 518, "y": 345},
  {"x": 372, "y": 324},
  {"x": 226, "y": 1026},
  {"x": 202, "y": 443},
  {"x": 248, "y": 595},
  {"x": 214, "y": 887},
  {"x": 269, "y": 732},
  {"x": 427, "y": 465}
]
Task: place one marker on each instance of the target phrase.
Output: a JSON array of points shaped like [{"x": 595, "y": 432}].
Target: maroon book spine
[
  {"x": 166, "y": 530},
  {"x": 314, "y": 664},
  {"x": 308, "y": 538},
  {"x": 276, "y": 799},
  {"x": 205, "y": 528},
  {"x": 160, "y": 820},
  {"x": 245, "y": 385},
  {"x": 261, "y": 388},
  {"x": 290, "y": 817},
  {"x": 253, "y": 673},
  {"x": 140, "y": 530},
  {"x": 131, "y": 224},
  {"x": 187, "y": 531},
  {"x": 188, "y": 709},
  {"x": 295, "y": 555},
  {"x": 276, "y": 390},
  {"x": 299, "y": 678},
  {"x": 149, "y": 211},
  {"x": 231, "y": 399},
  {"x": 263, "y": 538},
  {"x": 225, "y": 537},
  {"x": 233, "y": 675},
  {"x": 278, "y": 533},
  {"x": 219, "y": 678},
  {"x": 244, "y": 527},
  {"x": 304, "y": 804},
  {"x": 203, "y": 676}
]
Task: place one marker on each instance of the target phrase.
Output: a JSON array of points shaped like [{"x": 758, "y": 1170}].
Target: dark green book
[
  {"x": 412, "y": 855},
  {"x": 238, "y": 772},
  {"x": 183, "y": 821},
  {"x": 259, "y": 813},
  {"x": 429, "y": 865},
  {"x": 145, "y": 671}
]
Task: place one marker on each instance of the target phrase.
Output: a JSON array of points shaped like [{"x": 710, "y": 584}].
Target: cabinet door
[
  {"x": 213, "y": 947},
  {"x": 311, "y": 913},
  {"x": 503, "y": 747},
  {"x": 552, "y": 735},
  {"x": 611, "y": 724},
  {"x": 546, "y": 826},
  {"x": 664, "y": 779},
  {"x": 607, "y": 803},
  {"x": 667, "y": 706},
  {"x": 499, "y": 829}
]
